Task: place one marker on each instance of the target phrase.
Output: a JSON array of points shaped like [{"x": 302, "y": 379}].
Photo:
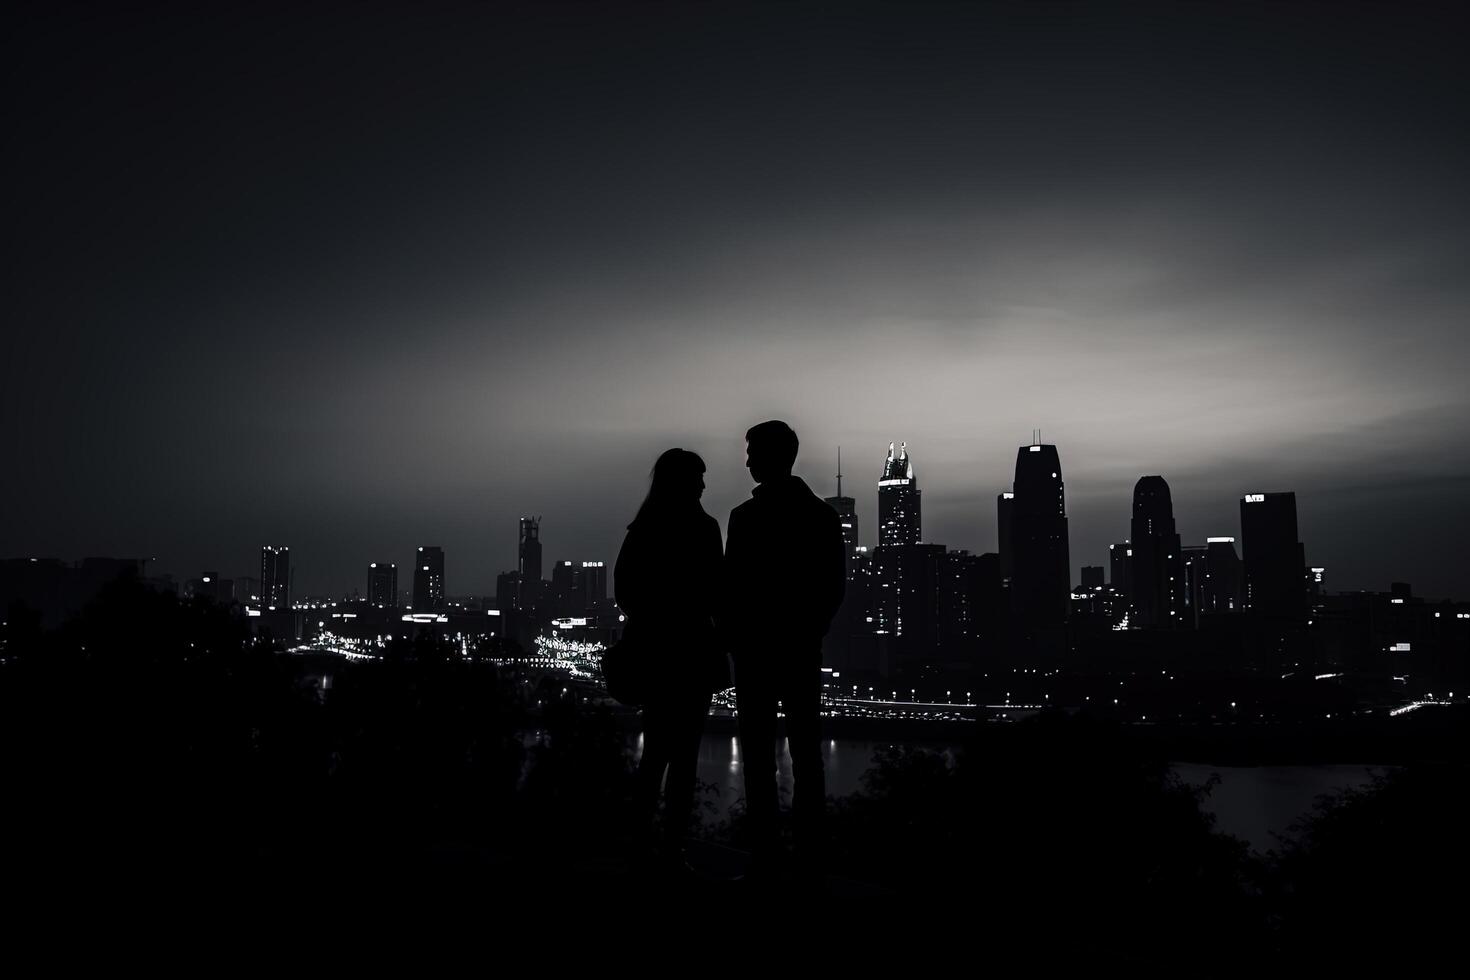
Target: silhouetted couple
[{"x": 779, "y": 584}]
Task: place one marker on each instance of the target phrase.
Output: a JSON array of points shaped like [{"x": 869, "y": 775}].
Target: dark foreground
[{"x": 157, "y": 763}]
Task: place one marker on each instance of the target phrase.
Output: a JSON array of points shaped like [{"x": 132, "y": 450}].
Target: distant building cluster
[
  {"x": 525, "y": 609},
  {"x": 916, "y": 612}
]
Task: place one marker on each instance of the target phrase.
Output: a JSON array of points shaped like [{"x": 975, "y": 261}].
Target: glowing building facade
[
  {"x": 899, "y": 521},
  {"x": 382, "y": 591},
  {"x": 428, "y": 580},
  {"x": 275, "y": 578}
]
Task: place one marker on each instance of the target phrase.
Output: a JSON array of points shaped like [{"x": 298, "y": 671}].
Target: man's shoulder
[{"x": 744, "y": 509}]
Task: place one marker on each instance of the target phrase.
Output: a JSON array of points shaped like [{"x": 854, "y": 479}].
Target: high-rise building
[
  {"x": 247, "y": 590},
  {"x": 906, "y": 596},
  {"x": 275, "y": 578},
  {"x": 1316, "y": 582},
  {"x": 1041, "y": 571},
  {"x": 1212, "y": 579},
  {"x": 1274, "y": 559},
  {"x": 593, "y": 584},
  {"x": 508, "y": 591},
  {"x": 991, "y": 602},
  {"x": 961, "y": 582},
  {"x": 577, "y": 588},
  {"x": 564, "y": 598},
  {"x": 1092, "y": 576},
  {"x": 846, "y": 508},
  {"x": 428, "y": 579},
  {"x": 1005, "y": 504},
  {"x": 840, "y": 643},
  {"x": 528, "y": 562},
  {"x": 905, "y": 574},
  {"x": 1156, "y": 599},
  {"x": 850, "y": 643},
  {"x": 898, "y": 500},
  {"x": 1120, "y": 567},
  {"x": 382, "y": 591}
]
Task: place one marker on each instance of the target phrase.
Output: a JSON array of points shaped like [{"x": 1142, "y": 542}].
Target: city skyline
[
  {"x": 898, "y": 468},
  {"x": 1102, "y": 363},
  {"x": 363, "y": 281}
]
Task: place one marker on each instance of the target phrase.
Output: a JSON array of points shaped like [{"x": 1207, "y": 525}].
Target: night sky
[{"x": 359, "y": 279}]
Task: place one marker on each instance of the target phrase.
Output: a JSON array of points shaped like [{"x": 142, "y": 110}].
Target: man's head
[{"x": 770, "y": 451}]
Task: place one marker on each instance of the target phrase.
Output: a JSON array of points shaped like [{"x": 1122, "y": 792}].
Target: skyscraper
[
  {"x": 960, "y": 586},
  {"x": 594, "y": 584},
  {"x": 991, "y": 600},
  {"x": 508, "y": 591},
  {"x": 247, "y": 590},
  {"x": 838, "y": 644},
  {"x": 382, "y": 591},
  {"x": 1225, "y": 585},
  {"x": 528, "y": 562},
  {"x": 565, "y": 597},
  {"x": 1275, "y": 561},
  {"x": 1041, "y": 586},
  {"x": 275, "y": 578},
  {"x": 905, "y": 574},
  {"x": 1157, "y": 596},
  {"x": 898, "y": 500},
  {"x": 578, "y": 588},
  {"x": 428, "y": 580},
  {"x": 906, "y": 597},
  {"x": 846, "y": 508},
  {"x": 1120, "y": 567},
  {"x": 1212, "y": 578},
  {"x": 1005, "y": 504}
]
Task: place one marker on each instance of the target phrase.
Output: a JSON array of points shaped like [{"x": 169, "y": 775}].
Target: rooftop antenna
[{"x": 839, "y": 471}]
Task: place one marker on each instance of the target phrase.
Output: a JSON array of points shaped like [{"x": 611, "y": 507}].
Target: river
[{"x": 1250, "y": 802}]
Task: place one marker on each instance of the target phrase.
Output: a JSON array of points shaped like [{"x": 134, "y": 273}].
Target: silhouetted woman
[{"x": 666, "y": 578}]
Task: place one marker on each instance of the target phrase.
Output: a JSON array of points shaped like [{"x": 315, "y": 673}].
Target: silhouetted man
[{"x": 785, "y": 570}]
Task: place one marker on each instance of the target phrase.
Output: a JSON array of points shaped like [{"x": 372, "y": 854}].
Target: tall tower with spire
[
  {"x": 846, "y": 508},
  {"x": 898, "y": 500},
  {"x": 838, "y": 647}
]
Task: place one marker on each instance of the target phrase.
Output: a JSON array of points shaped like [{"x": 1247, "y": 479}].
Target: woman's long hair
[{"x": 674, "y": 488}]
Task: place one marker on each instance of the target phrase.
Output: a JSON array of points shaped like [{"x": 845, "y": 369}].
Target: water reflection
[{"x": 1253, "y": 803}]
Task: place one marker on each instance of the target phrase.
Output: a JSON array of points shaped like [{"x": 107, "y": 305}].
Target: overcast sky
[{"x": 359, "y": 279}]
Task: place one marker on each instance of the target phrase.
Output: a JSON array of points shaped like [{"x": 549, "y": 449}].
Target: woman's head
[{"x": 677, "y": 484}]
